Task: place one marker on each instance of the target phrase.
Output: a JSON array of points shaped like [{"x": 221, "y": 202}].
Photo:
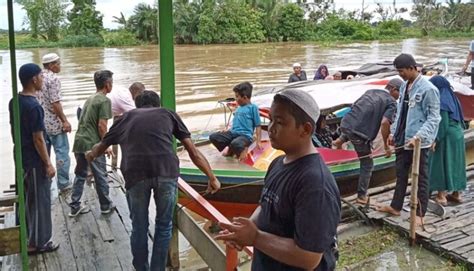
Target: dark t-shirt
[
  {"x": 31, "y": 121},
  {"x": 145, "y": 136},
  {"x": 295, "y": 78},
  {"x": 367, "y": 112},
  {"x": 300, "y": 200},
  {"x": 399, "y": 135}
]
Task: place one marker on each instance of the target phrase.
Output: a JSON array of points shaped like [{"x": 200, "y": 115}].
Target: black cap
[{"x": 404, "y": 61}]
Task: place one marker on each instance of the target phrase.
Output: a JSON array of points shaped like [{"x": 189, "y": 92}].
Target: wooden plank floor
[
  {"x": 91, "y": 241},
  {"x": 451, "y": 236}
]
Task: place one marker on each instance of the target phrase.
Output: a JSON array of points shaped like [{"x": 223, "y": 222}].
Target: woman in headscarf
[
  {"x": 321, "y": 73},
  {"x": 447, "y": 161}
]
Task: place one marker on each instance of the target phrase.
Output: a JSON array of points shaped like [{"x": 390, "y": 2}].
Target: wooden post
[
  {"x": 232, "y": 259},
  {"x": 415, "y": 172}
]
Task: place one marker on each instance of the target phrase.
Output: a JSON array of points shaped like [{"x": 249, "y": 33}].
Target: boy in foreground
[
  {"x": 295, "y": 225},
  {"x": 246, "y": 120}
]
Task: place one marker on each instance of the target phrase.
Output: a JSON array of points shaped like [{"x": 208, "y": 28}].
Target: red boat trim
[{"x": 213, "y": 213}]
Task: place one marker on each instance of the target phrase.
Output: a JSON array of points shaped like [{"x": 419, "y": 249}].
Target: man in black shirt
[
  {"x": 373, "y": 111},
  {"x": 149, "y": 163},
  {"x": 295, "y": 225}
]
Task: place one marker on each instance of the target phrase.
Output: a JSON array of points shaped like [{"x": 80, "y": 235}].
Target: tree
[
  {"x": 44, "y": 17},
  {"x": 186, "y": 20},
  {"x": 144, "y": 22},
  {"x": 428, "y": 13},
  {"x": 84, "y": 18},
  {"x": 291, "y": 23},
  {"x": 120, "y": 20}
]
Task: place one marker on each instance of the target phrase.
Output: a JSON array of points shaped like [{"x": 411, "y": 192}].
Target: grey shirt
[
  {"x": 367, "y": 112},
  {"x": 295, "y": 78}
]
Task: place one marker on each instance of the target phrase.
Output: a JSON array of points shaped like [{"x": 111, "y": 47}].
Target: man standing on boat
[
  {"x": 92, "y": 128},
  {"x": 295, "y": 225},
  {"x": 55, "y": 121},
  {"x": 418, "y": 117},
  {"x": 37, "y": 167},
  {"x": 298, "y": 74},
  {"x": 149, "y": 164},
  {"x": 470, "y": 59},
  {"x": 375, "y": 110}
]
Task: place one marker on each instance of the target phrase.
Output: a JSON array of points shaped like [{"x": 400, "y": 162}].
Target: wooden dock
[
  {"x": 91, "y": 241},
  {"x": 451, "y": 236}
]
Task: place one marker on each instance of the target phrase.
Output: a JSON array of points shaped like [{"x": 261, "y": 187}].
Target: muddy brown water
[{"x": 204, "y": 75}]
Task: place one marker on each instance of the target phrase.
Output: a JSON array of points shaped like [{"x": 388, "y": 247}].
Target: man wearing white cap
[
  {"x": 55, "y": 121},
  {"x": 298, "y": 74}
]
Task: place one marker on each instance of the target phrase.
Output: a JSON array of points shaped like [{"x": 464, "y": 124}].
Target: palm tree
[
  {"x": 144, "y": 22},
  {"x": 186, "y": 20},
  {"x": 120, "y": 20}
]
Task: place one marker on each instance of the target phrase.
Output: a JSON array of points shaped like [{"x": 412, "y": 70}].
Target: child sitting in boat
[
  {"x": 246, "y": 119},
  {"x": 323, "y": 136}
]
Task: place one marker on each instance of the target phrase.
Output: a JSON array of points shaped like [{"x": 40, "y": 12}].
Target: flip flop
[{"x": 454, "y": 199}]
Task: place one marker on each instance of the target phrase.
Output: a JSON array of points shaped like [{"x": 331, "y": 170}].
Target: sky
[{"x": 110, "y": 8}]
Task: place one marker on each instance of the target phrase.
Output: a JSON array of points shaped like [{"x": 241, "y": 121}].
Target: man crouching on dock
[
  {"x": 149, "y": 163},
  {"x": 295, "y": 225}
]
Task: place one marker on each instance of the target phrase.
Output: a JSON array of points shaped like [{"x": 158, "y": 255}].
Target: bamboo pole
[
  {"x": 415, "y": 172},
  {"x": 17, "y": 140}
]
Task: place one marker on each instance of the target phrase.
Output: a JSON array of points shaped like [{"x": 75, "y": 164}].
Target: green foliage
[
  {"x": 336, "y": 28},
  {"x": 45, "y": 17},
  {"x": 144, "y": 23},
  {"x": 231, "y": 22},
  {"x": 291, "y": 23},
  {"x": 119, "y": 38},
  {"x": 389, "y": 29},
  {"x": 186, "y": 21},
  {"x": 82, "y": 41},
  {"x": 84, "y": 19}
]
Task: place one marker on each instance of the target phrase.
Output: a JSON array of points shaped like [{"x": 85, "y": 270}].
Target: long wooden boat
[{"x": 242, "y": 181}]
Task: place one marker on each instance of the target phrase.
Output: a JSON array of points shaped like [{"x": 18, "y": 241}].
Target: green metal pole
[
  {"x": 17, "y": 141},
  {"x": 168, "y": 98}
]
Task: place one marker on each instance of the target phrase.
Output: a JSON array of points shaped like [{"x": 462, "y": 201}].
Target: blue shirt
[
  {"x": 31, "y": 121},
  {"x": 246, "y": 118}
]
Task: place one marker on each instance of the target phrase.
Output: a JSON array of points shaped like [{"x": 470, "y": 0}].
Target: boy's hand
[
  {"x": 390, "y": 140},
  {"x": 259, "y": 145},
  {"x": 242, "y": 232}
]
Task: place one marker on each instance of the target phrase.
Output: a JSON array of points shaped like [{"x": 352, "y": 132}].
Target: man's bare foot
[
  {"x": 243, "y": 154},
  {"x": 362, "y": 200},
  {"x": 227, "y": 152},
  {"x": 419, "y": 221},
  {"x": 388, "y": 209},
  {"x": 441, "y": 198}
]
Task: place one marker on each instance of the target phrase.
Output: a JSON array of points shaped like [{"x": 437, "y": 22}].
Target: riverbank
[{"x": 121, "y": 38}]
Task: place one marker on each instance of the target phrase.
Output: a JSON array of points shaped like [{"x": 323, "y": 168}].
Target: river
[{"x": 204, "y": 74}]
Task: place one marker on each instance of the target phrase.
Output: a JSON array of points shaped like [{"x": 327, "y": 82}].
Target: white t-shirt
[{"x": 122, "y": 101}]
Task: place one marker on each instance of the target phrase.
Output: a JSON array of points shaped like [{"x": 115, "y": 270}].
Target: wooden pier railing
[{"x": 211, "y": 252}]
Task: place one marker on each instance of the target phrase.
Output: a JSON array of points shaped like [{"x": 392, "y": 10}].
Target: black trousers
[
  {"x": 404, "y": 159},
  {"x": 236, "y": 143},
  {"x": 472, "y": 78}
]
